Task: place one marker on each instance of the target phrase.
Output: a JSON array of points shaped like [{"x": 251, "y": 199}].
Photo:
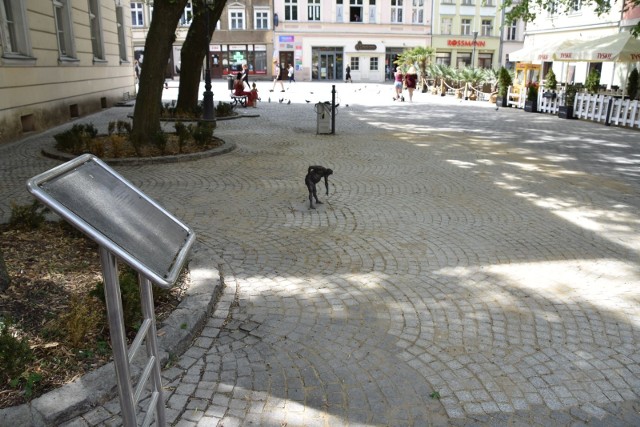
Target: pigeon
[
  {"x": 307, "y": 101},
  {"x": 289, "y": 102},
  {"x": 311, "y": 93},
  {"x": 269, "y": 99},
  {"x": 280, "y": 100}
]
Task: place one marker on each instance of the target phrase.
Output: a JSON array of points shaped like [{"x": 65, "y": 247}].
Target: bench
[{"x": 239, "y": 99}]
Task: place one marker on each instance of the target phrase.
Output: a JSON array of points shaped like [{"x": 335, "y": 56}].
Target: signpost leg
[{"x": 118, "y": 337}]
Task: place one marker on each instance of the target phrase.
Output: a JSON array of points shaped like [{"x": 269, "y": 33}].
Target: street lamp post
[
  {"x": 473, "y": 52},
  {"x": 207, "y": 100}
]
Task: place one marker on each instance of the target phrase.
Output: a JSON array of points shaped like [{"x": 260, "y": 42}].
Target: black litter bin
[{"x": 230, "y": 81}]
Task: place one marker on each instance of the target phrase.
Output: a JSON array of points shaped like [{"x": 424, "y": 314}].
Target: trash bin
[
  {"x": 323, "y": 113},
  {"x": 230, "y": 81}
]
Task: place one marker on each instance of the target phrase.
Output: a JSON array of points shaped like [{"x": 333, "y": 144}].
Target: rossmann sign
[{"x": 463, "y": 43}]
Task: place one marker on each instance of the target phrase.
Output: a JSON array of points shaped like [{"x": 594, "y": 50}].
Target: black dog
[{"x": 314, "y": 175}]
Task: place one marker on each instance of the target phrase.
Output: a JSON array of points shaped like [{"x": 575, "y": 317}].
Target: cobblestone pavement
[{"x": 468, "y": 267}]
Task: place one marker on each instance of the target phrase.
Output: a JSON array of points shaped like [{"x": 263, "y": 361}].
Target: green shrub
[
  {"x": 202, "y": 133},
  {"x": 159, "y": 140},
  {"x": 81, "y": 319},
  {"x": 632, "y": 84},
  {"x": 76, "y": 139},
  {"x": 130, "y": 294},
  {"x": 550, "y": 80},
  {"x": 224, "y": 109},
  {"x": 27, "y": 217},
  {"x": 504, "y": 81},
  {"x": 183, "y": 135},
  {"x": 532, "y": 92},
  {"x": 593, "y": 82},
  {"x": 15, "y": 353}
]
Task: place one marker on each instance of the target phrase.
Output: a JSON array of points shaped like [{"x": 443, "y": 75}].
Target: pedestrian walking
[
  {"x": 277, "y": 76},
  {"x": 398, "y": 80},
  {"x": 411, "y": 80},
  {"x": 245, "y": 74},
  {"x": 291, "y": 73},
  {"x": 348, "y": 75}
]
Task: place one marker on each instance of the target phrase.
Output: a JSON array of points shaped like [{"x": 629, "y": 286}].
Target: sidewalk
[{"x": 468, "y": 267}]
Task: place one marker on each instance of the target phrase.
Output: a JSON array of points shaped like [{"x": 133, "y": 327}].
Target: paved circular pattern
[{"x": 468, "y": 266}]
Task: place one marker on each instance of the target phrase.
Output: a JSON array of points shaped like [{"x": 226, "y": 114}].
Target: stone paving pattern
[{"x": 469, "y": 266}]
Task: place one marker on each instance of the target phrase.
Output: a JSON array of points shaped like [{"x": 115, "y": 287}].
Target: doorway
[{"x": 327, "y": 65}]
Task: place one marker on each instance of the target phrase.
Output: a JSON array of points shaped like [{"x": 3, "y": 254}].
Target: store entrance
[
  {"x": 327, "y": 66},
  {"x": 326, "y": 63}
]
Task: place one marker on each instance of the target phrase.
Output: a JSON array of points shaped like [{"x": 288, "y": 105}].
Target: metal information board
[
  {"x": 93, "y": 197},
  {"x": 126, "y": 224}
]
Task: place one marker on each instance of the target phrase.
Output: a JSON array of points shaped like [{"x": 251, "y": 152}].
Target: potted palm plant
[
  {"x": 504, "y": 81},
  {"x": 565, "y": 110},
  {"x": 531, "y": 104}
]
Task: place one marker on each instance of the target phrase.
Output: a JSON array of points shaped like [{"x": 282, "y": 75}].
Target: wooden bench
[{"x": 239, "y": 99}]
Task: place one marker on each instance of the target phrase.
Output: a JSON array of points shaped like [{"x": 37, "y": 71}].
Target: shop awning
[
  {"x": 541, "y": 52},
  {"x": 620, "y": 47}
]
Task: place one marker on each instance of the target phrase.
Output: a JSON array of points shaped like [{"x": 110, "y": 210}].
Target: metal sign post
[{"x": 128, "y": 225}]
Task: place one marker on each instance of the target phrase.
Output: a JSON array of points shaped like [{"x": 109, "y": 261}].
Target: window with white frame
[
  {"x": 187, "y": 15},
  {"x": 236, "y": 19},
  {"x": 467, "y": 2},
  {"x": 417, "y": 12},
  {"x": 372, "y": 11},
  {"x": 487, "y": 26},
  {"x": 62, "y": 13},
  {"x": 137, "y": 14},
  {"x": 290, "y": 10},
  {"x": 355, "y": 10},
  {"x": 512, "y": 30},
  {"x": 339, "y": 11},
  {"x": 13, "y": 29},
  {"x": 448, "y": 1},
  {"x": 313, "y": 10},
  {"x": 96, "y": 29},
  {"x": 355, "y": 63},
  {"x": 373, "y": 63},
  {"x": 396, "y": 11},
  {"x": 446, "y": 25},
  {"x": 488, "y": 3},
  {"x": 465, "y": 27},
  {"x": 552, "y": 7},
  {"x": 122, "y": 45},
  {"x": 261, "y": 19}
]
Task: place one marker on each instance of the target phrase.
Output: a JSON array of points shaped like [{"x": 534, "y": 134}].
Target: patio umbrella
[
  {"x": 541, "y": 52},
  {"x": 620, "y": 47}
]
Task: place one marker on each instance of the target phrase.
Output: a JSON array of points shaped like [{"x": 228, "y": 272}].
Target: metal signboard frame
[{"x": 128, "y": 225}]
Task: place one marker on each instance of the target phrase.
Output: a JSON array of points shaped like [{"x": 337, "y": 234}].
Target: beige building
[
  {"x": 61, "y": 59},
  {"x": 473, "y": 33},
  {"x": 322, "y": 37}
]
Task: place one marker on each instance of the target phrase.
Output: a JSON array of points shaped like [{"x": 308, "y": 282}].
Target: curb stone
[{"x": 99, "y": 386}]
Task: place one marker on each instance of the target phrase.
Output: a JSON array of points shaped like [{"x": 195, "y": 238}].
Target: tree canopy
[{"x": 527, "y": 10}]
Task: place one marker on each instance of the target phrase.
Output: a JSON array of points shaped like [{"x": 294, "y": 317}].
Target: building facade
[
  {"x": 320, "y": 38},
  {"x": 472, "y": 33},
  {"x": 243, "y": 35},
  {"x": 581, "y": 23},
  {"x": 61, "y": 59}
]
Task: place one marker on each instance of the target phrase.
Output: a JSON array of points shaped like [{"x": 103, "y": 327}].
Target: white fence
[{"x": 610, "y": 110}]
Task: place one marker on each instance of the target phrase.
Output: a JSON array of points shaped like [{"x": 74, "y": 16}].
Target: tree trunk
[
  {"x": 4, "y": 275},
  {"x": 157, "y": 51},
  {"x": 193, "y": 52}
]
